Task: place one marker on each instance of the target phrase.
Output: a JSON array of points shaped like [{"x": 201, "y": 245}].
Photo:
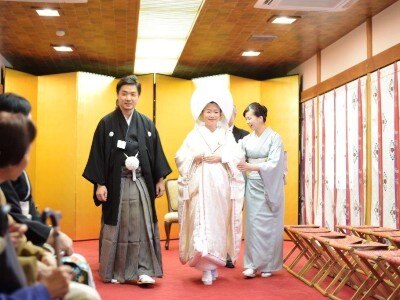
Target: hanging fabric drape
[
  {"x": 333, "y": 156},
  {"x": 385, "y": 160}
]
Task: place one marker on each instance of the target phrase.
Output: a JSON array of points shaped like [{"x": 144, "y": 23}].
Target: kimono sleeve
[
  {"x": 185, "y": 156},
  {"x": 37, "y": 291},
  {"x": 162, "y": 168},
  {"x": 37, "y": 233},
  {"x": 272, "y": 174},
  {"x": 184, "y": 160},
  {"x": 95, "y": 169},
  {"x": 232, "y": 153}
]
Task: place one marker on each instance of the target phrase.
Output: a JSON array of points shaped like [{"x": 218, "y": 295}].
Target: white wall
[
  {"x": 351, "y": 49},
  {"x": 385, "y": 29},
  {"x": 308, "y": 70},
  {"x": 344, "y": 53}
]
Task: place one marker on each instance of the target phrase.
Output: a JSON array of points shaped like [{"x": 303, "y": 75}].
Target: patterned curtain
[
  {"x": 385, "y": 147},
  {"x": 333, "y": 184},
  {"x": 308, "y": 160}
]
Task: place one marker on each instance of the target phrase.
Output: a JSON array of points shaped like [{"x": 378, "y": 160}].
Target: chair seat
[{"x": 171, "y": 217}]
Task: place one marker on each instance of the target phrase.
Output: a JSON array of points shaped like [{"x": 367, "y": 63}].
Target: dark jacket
[
  {"x": 239, "y": 133},
  {"x": 106, "y": 159},
  {"x": 37, "y": 233}
]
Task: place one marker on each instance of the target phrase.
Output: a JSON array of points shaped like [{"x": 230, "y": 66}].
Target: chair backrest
[{"x": 171, "y": 186}]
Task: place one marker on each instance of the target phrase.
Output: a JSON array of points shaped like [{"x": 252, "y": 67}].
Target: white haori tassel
[
  {"x": 183, "y": 189},
  {"x": 132, "y": 163},
  {"x": 237, "y": 188}
]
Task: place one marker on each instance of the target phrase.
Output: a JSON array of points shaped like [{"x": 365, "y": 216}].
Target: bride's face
[{"x": 211, "y": 115}]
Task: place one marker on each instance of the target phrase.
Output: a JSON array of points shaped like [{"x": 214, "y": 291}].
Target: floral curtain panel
[
  {"x": 333, "y": 157},
  {"x": 385, "y": 152},
  {"x": 308, "y": 163}
]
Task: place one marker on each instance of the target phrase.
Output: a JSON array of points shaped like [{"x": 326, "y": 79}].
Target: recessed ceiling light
[
  {"x": 60, "y": 32},
  {"x": 48, "y": 12},
  {"x": 284, "y": 19},
  {"x": 63, "y": 48},
  {"x": 251, "y": 53}
]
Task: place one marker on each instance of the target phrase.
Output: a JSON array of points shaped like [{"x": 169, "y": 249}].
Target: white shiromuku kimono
[
  {"x": 264, "y": 202},
  {"x": 210, "y": 199}
]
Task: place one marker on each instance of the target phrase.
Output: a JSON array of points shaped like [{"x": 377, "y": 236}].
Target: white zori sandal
[
  {"x": 207, "y": 278},
  {"x": 249, "y": 273},
  {"x": 145, "y": 279}
]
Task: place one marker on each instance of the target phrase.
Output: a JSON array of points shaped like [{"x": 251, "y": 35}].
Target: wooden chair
[
  {"x": 294, "y": 239},
  {"x": 305, "y": 255},
  {"x": 171, "y": 187},
  {"x": 382, "y": 267},
  {"x": 347, "y": 229},
  {"x": 340, "y": 269}
]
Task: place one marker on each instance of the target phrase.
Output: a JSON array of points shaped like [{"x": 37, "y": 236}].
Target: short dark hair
[
  {"x": 129, "y": 80},
  {"x": 258, "y": 110},
  {"x": 17, "y": 132},
  {"x": 14, "y": 103}
]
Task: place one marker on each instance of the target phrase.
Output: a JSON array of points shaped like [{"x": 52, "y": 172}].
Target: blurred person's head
[
  {"x": 17, "y": 132},
  {"x": 14, "y": 103},
  {"x": 233, "y": 117}
]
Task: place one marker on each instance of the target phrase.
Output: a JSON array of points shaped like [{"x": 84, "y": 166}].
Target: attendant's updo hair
[{"x": 258, "y": 110}]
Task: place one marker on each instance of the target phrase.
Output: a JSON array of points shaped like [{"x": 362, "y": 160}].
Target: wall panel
[
  {"x": 281, "y": 96},
  {"x": 95, "y": 99},
  {"x": 56, "y": 146},
  {"x": 174, "y": 121},
  {"x": 244, "y": 92}
]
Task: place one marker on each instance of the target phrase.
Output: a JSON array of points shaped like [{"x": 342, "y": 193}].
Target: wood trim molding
[{"x": 367, "y": 66}]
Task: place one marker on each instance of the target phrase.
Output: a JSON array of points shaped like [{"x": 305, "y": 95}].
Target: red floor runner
[{"x": 183, "y": 282}]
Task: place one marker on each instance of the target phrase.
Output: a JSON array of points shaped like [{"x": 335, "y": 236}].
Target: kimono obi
[
  {"x": 125, "y": 173},
  {"x": 257, "y": 160}
]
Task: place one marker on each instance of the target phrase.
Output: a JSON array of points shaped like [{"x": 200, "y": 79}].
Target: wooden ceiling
[
  {"x": 104, "y": 34},
  {"x": 102, "y": 31}
]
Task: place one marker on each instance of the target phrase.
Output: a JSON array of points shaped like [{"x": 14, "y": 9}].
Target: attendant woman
[
  {"x": 264, "y": 195},
  {"x": 211, "y": 188}
]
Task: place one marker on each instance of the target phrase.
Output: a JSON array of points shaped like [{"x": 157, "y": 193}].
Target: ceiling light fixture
[
  {"x": 251, "y": 53},
  {"x": 63, "y": 48},
  {"x": 163, "y": 29},
  {"x": 283, "y": 19},
  {"x": 48, "y": 12},
  {"x": 60, "y": 32},
  {"x": 262, "y": 37}
]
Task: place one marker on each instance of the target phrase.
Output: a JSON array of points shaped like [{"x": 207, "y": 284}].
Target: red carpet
[{"x": 182, "y": 282}]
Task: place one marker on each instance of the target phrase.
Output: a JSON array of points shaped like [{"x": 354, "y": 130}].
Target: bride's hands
[{"x": 212, "y": 159}]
